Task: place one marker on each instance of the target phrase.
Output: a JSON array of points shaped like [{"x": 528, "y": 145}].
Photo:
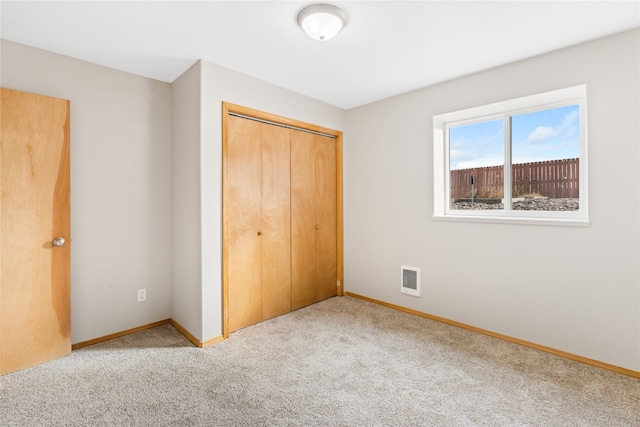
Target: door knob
[
  {"x": 259, "y": 233},
  {"x": 317, "y": 227},
  {"x": 59, "y": 241}
]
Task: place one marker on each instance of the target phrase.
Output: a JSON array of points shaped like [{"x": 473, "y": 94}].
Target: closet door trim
[{"x": 249, "y": 113}]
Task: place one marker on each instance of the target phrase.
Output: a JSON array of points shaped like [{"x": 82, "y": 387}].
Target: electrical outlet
[{"x": 142, "y": 295}]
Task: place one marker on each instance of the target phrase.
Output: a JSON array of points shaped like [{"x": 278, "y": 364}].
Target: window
[{"x": 522, "y": 160}]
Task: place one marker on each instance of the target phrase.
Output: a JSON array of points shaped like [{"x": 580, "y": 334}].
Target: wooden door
[
  {"x": 282, "y": 215},
  {"x": 257, "y": 217},
  {"x": 326, "y": 218},
  {"x": 276, "y": 221},
  {"x": 242, "y": 211},
  {"x": 313, "y": 218},
  {"x": 303, "y": 219},
  {"x": 35, "y": 315}
]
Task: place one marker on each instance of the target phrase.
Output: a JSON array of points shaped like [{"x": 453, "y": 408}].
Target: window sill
[{"x": 567, "y": 222}]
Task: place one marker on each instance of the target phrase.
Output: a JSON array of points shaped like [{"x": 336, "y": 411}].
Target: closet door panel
[
  {"x": 326, "y": 218},
  {"x": 276, "y": 221},
  {"x": 242, "y": 207},
  {"x": 303, "y": 183}
]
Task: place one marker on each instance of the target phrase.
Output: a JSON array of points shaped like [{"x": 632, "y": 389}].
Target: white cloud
[
  {"x": 541, "y": 133},
  {"x": 486, "y": 149},
  {"x": 544, "y": 133}
]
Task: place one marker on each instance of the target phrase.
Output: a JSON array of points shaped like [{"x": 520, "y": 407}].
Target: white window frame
[{"x": 576, "y": 95}]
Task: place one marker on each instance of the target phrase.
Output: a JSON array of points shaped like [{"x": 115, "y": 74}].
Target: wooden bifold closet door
[
  {"x": 313, "y": 218},
  {"x": 280, "y": 233},
  {"x": 258, "y": 232}
]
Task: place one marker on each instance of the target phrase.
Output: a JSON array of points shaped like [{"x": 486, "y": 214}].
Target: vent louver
[{"x": 410, "y": 281}]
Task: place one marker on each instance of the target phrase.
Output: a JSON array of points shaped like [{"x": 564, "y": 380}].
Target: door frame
[{"x": 250, "y": 113}]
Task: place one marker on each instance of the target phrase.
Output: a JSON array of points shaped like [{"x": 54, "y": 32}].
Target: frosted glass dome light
[{"x": 321, "y": 21}]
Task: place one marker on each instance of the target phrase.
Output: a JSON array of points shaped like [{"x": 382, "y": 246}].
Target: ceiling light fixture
[{"x": 321, "y": 21}]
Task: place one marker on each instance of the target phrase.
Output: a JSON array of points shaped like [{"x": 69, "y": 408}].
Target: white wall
[
  {"x": 187, "y": 239},
  {"x": 120, "y": 186},
  {"x": 220, "y": 84},
  {"x": 572, "y": 289}
]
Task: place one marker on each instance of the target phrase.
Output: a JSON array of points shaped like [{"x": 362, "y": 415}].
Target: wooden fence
[{"x": 554, "y": 179}]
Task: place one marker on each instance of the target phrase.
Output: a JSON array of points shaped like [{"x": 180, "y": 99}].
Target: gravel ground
[{"x": 529, "y": 204}]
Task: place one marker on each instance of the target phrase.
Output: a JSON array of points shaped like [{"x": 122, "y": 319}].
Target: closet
[{"x": 282, "y": 244}]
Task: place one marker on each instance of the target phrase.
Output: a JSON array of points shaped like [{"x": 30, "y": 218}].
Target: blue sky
[{"x": 542, "y": 135}]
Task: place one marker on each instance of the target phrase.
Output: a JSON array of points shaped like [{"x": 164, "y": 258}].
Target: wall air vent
[{"x": 410, "y": 281}]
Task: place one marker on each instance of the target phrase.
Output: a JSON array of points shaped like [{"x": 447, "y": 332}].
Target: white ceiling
[{"x": 386, "y": 48}]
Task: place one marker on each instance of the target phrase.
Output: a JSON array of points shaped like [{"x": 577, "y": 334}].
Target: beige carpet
[{"x": 342, "y": 362}]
